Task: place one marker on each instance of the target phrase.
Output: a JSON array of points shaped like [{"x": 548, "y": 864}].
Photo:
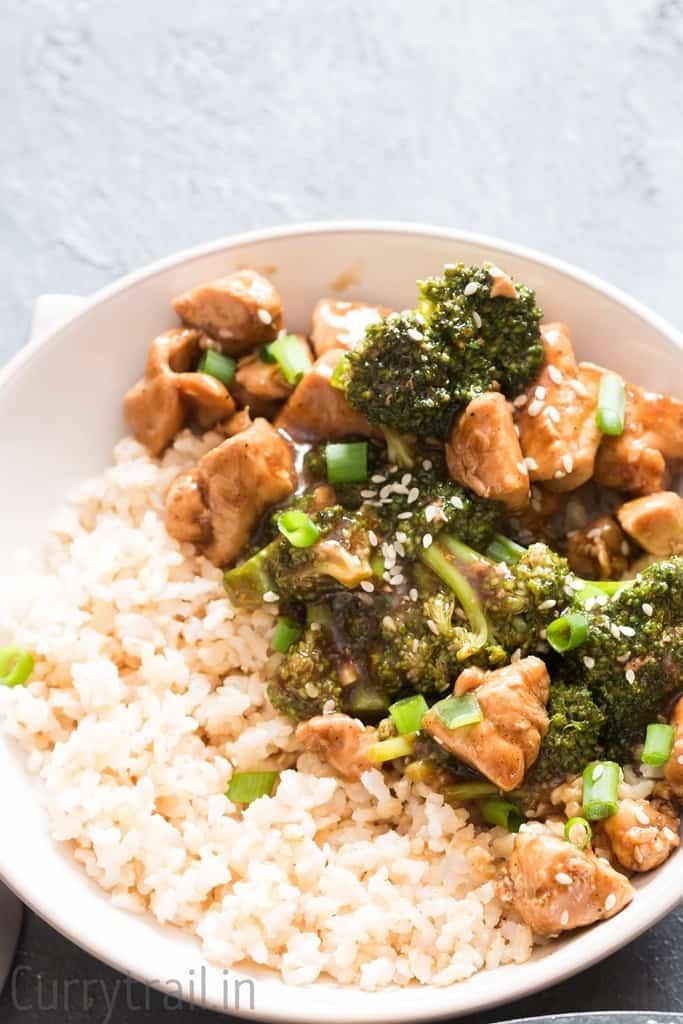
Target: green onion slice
[
  {"x": 611, "y": 405},
  {"x": 600, "y": 790},
  {"x": 347, "y": 463},
  {"x": 387, "y": 750},
  {"x": 266, "y": 355},
  {"x": 659, "y": 741},
  {"x": 503, "y": 813},
  {"x": 456, "y": 712},
  {"x": 16, "y": 666},
  {"x": 286, "y": 632},
  {"x": 469, "y": 791},
  {"x": 578, "y": 832},
  {"x": 298, "y": 528},
  {"x": 408, "y": 713},
  {"x": 292, "y": 355},
  {"x": 245, "y": 787},
  {"x": 567, "y": 632},
  {"x": 215, "y": 364}
]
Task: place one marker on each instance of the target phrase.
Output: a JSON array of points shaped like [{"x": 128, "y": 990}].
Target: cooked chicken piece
[
  {"x": 238, "y": 422},
  {"x": 642, "y": 834},
  {"x": 261, "y": 385},
  {"x": 557, "y": 429},
  {"x": 673, "y": 773},
  {"x": 483, "y": 452},
  {"x": 237, "y": 482},
  {"x": 160, "y": 404},
  {"x": 555, "y": 887},
  {"x": 341, "y": 325},
  {"x": 339, "y": 740},
  {"x": 317, "y": 411},
  {"x": 653, "y": 432},
  {"x": 502, "y": 283},
  {"x": 600, "y": 551},
  {"x": 655, "y": 522},
  {"x": 240, "y": 311},
  {"x": 506, "y": 743}
]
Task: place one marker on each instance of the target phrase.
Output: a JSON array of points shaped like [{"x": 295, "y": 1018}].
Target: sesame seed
[
  {"x": 535, "y": 407},
  {"x": 368, "y": 494},
  {"x": 372, "y": 537},
  {"x": 553, "y": 414},
  {"x": 630, "y": 675},
  {"x": 679, "y": 759},
  {"x": 400, "y": 549},
  {"x": 564, "y": 918},
  {"x": 264, "y": 316},
  {"x": 477, "y": 319},
  {"x": 401, "y": 537},
  {"x": 540, "y": 392},
  {"x": 430, "y": 512},
  {"x": 545, "y": 605},
  {"x": 377, "y": 479},
  {"x": 433, "y": 626},
  {"x": 270, "y": 597},
  {"x": 521, "y": 466},
  {"x": 568, "y": 462},
  {"x": 516, "y": 655},
  {"x": 520, "y": 400},
  {"x": 389, "y": 623},
  {"x": 615, "y": 631},
  {"x": 669, "y": 834},
  {"x": 647, "y": 609},
  {"x": 624, "y": 547},
  {"x": 562, "y": 878},
  {"x": 412, "y": 594},
  {"x": 427, "y": 464},
  {"x": 579, "y": 387},
  {"x": 420, "y": 319},
  {"x": 531, "y": 463},
  {"x": 627, "y": 631},
  {"x": 406, "y": 478},
  {"x": 398, "y": 579},
  {"x": 641, "y": 817},
  {"x": 427, "y": 540},
  {"x": 413, "y": 495},
  {"x": 610, "y": 902},
  {"x": 555, "y": 374},
  {"x": 367, "y": 586},
  {"x": 404, "y": 515},
  {"x": 413, "y": 333},
  {"x": 589, "y": 662},
  {"x": 471, "y": 288}
]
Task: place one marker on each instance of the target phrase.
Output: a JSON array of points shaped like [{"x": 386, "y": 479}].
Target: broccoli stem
[
  {"x": 502, "y": 549},
  {"x": 437, "y": 558},
  {"x": 247, "y": 583},
  {"x": 398, "y": 448}
]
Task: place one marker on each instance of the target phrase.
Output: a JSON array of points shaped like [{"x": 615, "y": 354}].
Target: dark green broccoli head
[
  {"x": 307, "y": 678},
  {"x": 573, "y": 737}
]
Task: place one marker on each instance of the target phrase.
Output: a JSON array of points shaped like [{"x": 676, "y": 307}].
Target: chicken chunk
[
  {"x": 237, "y": 482},
  {"x": 600, "y": 551},
  {"x": 555, "y": 887},
  {"x": 261, "y": 385},
  {"x": 655, "y": 522},
  {"x": 317, "y": 411},
  {"x": 636, "y": 461},
  {"x": 557, "y": 430},
  {"x": 673, "y": 773},
  {"x": 642, "y": 834},
  {"x": 503, "y": 285},
  {"x": 240, "y": 311},
  {"x": 169, "y": 394},
  {"x": 340, "y": 741},
  {"x": 506, "y": 743},
  {"x": 483, "y": 452},
  {"x": 341, "y": 325}
]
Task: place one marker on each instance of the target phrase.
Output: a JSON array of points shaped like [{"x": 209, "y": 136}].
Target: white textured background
[{"x": 131, "y": 128}]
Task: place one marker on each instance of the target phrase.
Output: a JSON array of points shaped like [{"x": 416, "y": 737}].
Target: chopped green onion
[
  {"x": 286, "y": 632},
  {"x": 600, "y": 790},
  {"x": 502, "y": 549},
  {"x": 567, "y": 632},
  {"x": 578, "y": 832},
  {"x": 377, "y": 564},
  {"x": 611, "y": 405},
  {"x": 387, "y": 750},
  {"x": 503, "y": 813},
  {"x": 215, "y": 364},
  {"x": 245, "y": 787},
  {"x": 347, "y": 463},
  {"x": 408, "y": 713},
  {"x": 266, "y": 355},
  {"x": 469, "y": 791},
  {"x": 659, "y": 742},
  {"x": 292, "y": 355},
  {"x": 456, "y": 712},
  {"x": 16, "y": 666},
  {"x": 338, "y": 378},
  {"x": 298, "y": 528}
]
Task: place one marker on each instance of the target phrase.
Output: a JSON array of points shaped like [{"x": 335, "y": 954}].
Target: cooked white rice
[{"x": 148, "y": 688}]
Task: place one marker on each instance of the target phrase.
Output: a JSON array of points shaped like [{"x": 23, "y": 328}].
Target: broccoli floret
[
  {"x": 307, "y": 679},
  {"x": 573, "y": 737},
  {"x": 413, "y": 370}
]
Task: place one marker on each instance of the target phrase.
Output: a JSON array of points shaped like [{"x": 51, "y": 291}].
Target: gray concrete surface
[{"x": 134, "y": 128}]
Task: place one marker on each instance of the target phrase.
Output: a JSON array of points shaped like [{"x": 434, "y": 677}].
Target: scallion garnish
[
  {"x": 578, "y": 832},
  {"x": 611, "y": 405},
  {"x": 501, "y": 812},
  {"x": 659, "y": 741},
  {"x": 298, "y": 528},
  {"x": 567, "y": 632},
  {"x": 286, "y": 632},
  {"x": 291, "y": 354},
  {"x": 388, "y": 750},
  {"x": 347, "y": 463},
  {"x": 469, "y": 791},
  {"x": 408, "y": 713},
  {"x": 215, "y": 364},
  {"x": 245, "y": 787},
  {"x": 456, "y": 712},
  {"x": 600, "y": 790},
  {"x": 16, "y": 666}
]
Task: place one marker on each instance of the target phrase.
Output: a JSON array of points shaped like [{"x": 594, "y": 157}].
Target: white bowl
[{"x": 60, "y": 414}]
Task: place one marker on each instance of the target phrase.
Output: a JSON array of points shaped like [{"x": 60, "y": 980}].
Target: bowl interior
[{"x": 60, "y": 414}]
